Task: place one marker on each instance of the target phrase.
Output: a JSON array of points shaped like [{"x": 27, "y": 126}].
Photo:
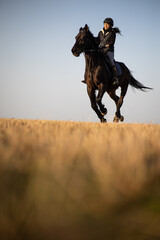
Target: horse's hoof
[
  {"x": 121, "y": 119},
  {"x": 104, "y": 112},
  {"x": 103, "y": 120},
  {"x": 115, "y": 119}
]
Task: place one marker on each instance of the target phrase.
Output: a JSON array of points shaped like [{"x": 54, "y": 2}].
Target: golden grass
[{"x": 76, "y": 180}]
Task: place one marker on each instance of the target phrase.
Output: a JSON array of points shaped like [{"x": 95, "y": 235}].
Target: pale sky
[{"x": 41, "y": 79}]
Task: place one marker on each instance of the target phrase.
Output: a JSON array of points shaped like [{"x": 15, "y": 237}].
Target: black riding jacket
[{"x": 107, "y": 37}]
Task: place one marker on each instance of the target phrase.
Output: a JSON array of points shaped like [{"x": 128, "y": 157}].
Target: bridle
[
  {"x": 91, "y": 50},
  {"x": 88, "y": 50}
]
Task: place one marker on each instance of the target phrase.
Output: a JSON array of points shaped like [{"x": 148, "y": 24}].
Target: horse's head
[{"x": 82, "y": 41}]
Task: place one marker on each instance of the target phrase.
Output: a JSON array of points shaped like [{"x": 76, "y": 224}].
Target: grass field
[{"x": 79, "y": 180}]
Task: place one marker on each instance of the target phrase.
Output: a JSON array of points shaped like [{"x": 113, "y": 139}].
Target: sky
[{"x": 41, "y": 79}]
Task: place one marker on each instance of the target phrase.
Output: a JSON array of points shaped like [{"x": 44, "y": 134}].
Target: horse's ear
[
  {"x": 86, "y": 27},
  {"x": 80, "y": 29}
]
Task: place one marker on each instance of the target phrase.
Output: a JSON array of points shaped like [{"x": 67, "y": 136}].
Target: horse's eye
[{"x": 82, "y": 42}]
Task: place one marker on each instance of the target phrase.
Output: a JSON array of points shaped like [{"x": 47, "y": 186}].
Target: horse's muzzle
[{"x": 75, "y": 53}]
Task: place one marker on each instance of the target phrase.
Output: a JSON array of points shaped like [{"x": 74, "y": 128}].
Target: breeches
[{"x": 111, "y": 57}]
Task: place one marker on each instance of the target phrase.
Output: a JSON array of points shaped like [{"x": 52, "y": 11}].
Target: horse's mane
[
  {"x": 90, "y": 34},
  {"x": 94, "y": 39}
]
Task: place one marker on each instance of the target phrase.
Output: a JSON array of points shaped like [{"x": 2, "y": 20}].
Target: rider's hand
[{"x": 100, "y": 46}]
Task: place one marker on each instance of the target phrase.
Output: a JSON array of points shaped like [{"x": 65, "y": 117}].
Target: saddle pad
[{"x": 119, "y": 69}]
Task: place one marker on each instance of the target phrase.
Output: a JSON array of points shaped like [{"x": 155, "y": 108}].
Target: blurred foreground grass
[{"x": 74, "y": 180}]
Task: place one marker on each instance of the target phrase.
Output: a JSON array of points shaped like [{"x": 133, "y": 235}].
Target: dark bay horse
[{"x": 99, "y": 78}]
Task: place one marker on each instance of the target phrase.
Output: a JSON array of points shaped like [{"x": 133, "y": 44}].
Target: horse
[{"x": 97, "y": 76}]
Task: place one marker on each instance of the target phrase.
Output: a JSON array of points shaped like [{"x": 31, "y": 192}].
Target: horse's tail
[{"x": 134, "y": 83}]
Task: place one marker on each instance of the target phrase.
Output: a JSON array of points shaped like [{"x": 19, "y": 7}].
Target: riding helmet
[{"x": 109, "y": 21}]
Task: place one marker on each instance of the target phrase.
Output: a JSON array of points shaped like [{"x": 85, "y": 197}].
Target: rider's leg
[{"x": 113, "y": 66}]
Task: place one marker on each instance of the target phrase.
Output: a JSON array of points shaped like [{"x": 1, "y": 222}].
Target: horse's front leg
[
  {"x": 101, "y": 91},
  {"x": 92, "y": 96}
]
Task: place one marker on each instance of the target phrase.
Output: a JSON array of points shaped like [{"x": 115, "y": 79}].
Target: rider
[{"x": 107, "y": 38}]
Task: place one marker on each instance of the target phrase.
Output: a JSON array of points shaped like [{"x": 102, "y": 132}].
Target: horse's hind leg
[
  {"x": 101, "y": 91},
  {"x": 118, "y": 101},
  {"x": 118, "y": 115},
  {"x": 92, "y": 96}
]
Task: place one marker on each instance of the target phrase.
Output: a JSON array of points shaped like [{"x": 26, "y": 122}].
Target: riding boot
[
  {"x": 115, "y": 77},
  {"x": 83, "y": 81}
]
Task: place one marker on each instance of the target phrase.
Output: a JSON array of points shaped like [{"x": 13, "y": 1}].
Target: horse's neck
[{"x": 91, "y": 59}]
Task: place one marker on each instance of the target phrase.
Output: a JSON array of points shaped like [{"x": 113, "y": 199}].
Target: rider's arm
[{"x": 110, "y": 39}]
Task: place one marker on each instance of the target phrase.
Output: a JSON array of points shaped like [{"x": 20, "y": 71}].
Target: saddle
[{"x": 108, "y": 66}]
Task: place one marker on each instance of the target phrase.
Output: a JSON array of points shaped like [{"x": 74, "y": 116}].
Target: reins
[{"x": 91, "y": 50}]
